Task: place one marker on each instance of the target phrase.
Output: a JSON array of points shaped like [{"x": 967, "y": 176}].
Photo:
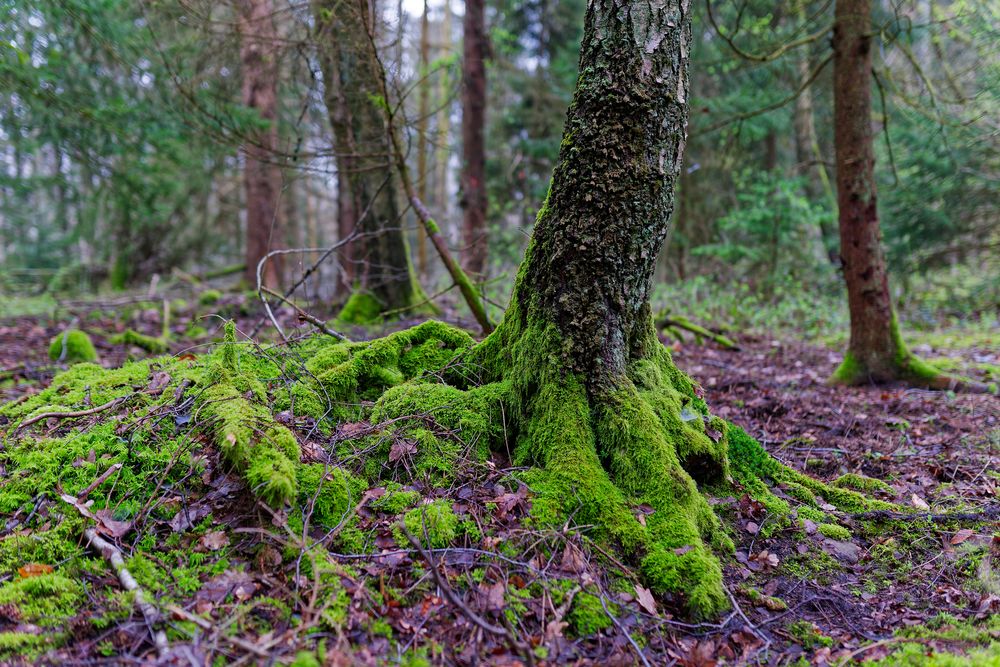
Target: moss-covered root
[
  {"x": 603, "y": 461},
  {"x": 147, "y": 343},
  {"x": 903, "y": 366},
  {"x": 262, "y": 450}
]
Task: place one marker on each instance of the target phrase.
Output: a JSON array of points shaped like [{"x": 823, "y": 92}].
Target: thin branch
[
  {"x": 67, "y": 415},
  {"x": 311, "y": 319},
  {"x": 771, "y": 107},
  {"x": 111, "y": 554},
  {"x": 766, "y": 57}
]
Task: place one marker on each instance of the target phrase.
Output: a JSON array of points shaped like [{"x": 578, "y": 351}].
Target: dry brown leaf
[
  {"x": 214, "y": 540},
  {"x": 919, "y": 502},
  {"x": 962, "y": 535},
  {"x": 645, "y": 599},
  {"x": 34, "y": 570}
]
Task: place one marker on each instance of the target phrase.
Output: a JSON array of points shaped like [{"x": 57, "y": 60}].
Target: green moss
[
  {"x": 808, "y": 635},
  {"x": 47, "y": 600},
  {"x": 209, "y": 297},
  {"x": 362, "y": 308},
  {"x": 147, "y": 343},
  {"x": 587, "y": 616},
  {"x": 328, "y": 492},
  {"x": 72, "y": 346},
  {"x": 761, "y": 600},
  {"x": 834, "y": 532},
  {"x": 396, "y": 499},
  {"x": 862, "y": 483},
  {"x": 918, "y": 655},
  {"x": 434, "y": 524}
]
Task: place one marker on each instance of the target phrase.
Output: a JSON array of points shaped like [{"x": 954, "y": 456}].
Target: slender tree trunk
[
  {"x": 876, "y": 352},
  {"x": 423, "y": 111},
  {"x": 807, "y": 153},
  {"x": 443, "y": 152},
  {"x": 261, "y": 175},
  {"x": 473, "y": 144},
  {"x": 367, "y": 177}
]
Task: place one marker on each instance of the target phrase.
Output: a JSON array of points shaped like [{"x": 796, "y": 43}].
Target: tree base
[{"x": 632, "y": 462}]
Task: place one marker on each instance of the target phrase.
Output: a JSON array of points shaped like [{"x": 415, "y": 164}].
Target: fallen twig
[
  {"x": 627, "y": 635},
  {"x": 97, "y": 482},
  {"x": 67, "y": 415},
  {"x": 476, "y": 619},
  {"x": 311, "y": 319},
  {"x": 111, "y": 554}
]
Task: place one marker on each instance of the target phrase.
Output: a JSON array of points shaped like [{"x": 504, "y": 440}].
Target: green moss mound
[
  {"x": 148, "y": 343},
  {"x": 434, "y": 524},
  {"x": 362, "y": 308},
  {"x": 72, "y": 347}
]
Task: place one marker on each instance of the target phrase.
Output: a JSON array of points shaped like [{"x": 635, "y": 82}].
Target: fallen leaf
[
  {"x": 492, "y": 596},
  {"x": 645, "y": 599},
  {"x": 919, "y": 502},
  {"x": 214, "y": 540},
  {"x": 962, "y": 535},
  {"x": 572, "y": 559},
  {"x": 402, "y": 448},
  {"x": 34, "y": 570}
]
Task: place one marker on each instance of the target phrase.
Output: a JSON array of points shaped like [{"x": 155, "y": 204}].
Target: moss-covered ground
[{"x": 259, "y": 494}]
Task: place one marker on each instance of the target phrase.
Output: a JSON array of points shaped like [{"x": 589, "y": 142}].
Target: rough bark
[
  {"x": 368, "y": 189},
  {"x": 473, "y": 142},
  {"x": 876, "y": 352},
  {"x": 597, "y": 402},
  {"x": 261, "y": 174}
]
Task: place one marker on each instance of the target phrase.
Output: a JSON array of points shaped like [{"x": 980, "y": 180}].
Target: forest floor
[{"x": 893, "y": 590}]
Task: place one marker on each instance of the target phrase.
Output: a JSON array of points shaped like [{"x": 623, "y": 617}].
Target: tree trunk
[
  {"x": 473, "y": 143},
  {"x": 807, "y": 153},
  {"x": 423, "y": 111},
  {"x": 597, "y": 401},
  {"x": 261, "y": 175},
  {"x": 368, "y": 187},
  {"x": 876, "y": 352}
]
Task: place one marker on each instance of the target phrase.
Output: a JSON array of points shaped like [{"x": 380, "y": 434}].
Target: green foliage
[
  {"x": 587, "y": 616},
  {"x": 434, "y": 524},
  {"x": 362, "y": 308},
  {"x": 72, "y": 346}
]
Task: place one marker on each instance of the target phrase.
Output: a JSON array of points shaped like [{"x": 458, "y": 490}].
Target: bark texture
[
  {"x": 876, "y": 352},
  {"x": 599, "y": 405},
  {"x": 262, "y": 173},
  {"x": 473, "y": 142},
  {"x": 368, "y": 188}
]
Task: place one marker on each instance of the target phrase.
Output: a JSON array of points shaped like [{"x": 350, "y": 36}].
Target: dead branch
[
  {"x": 204, "y": 624},
  {"x": 68, "y": 415},
  {"x": 97, "y": 482},
  {"x": 311, "y": 319},
  {"x": 111, "y": 554}
]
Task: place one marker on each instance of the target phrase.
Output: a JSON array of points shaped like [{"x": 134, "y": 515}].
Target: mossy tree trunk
[
  {"x": 599, "y": 405},
  {"x": 355, "y": 106},
  {"x": 876, "y": 352}
]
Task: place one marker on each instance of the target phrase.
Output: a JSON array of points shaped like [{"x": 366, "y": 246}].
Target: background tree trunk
[
  {"x": 876, "y": 352},
  {"x": 473, "y": 142},
  {"x": 423, "y": 113},
  {"x": 368, "y": 185},
  {"x": 262, "y": 174}
]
